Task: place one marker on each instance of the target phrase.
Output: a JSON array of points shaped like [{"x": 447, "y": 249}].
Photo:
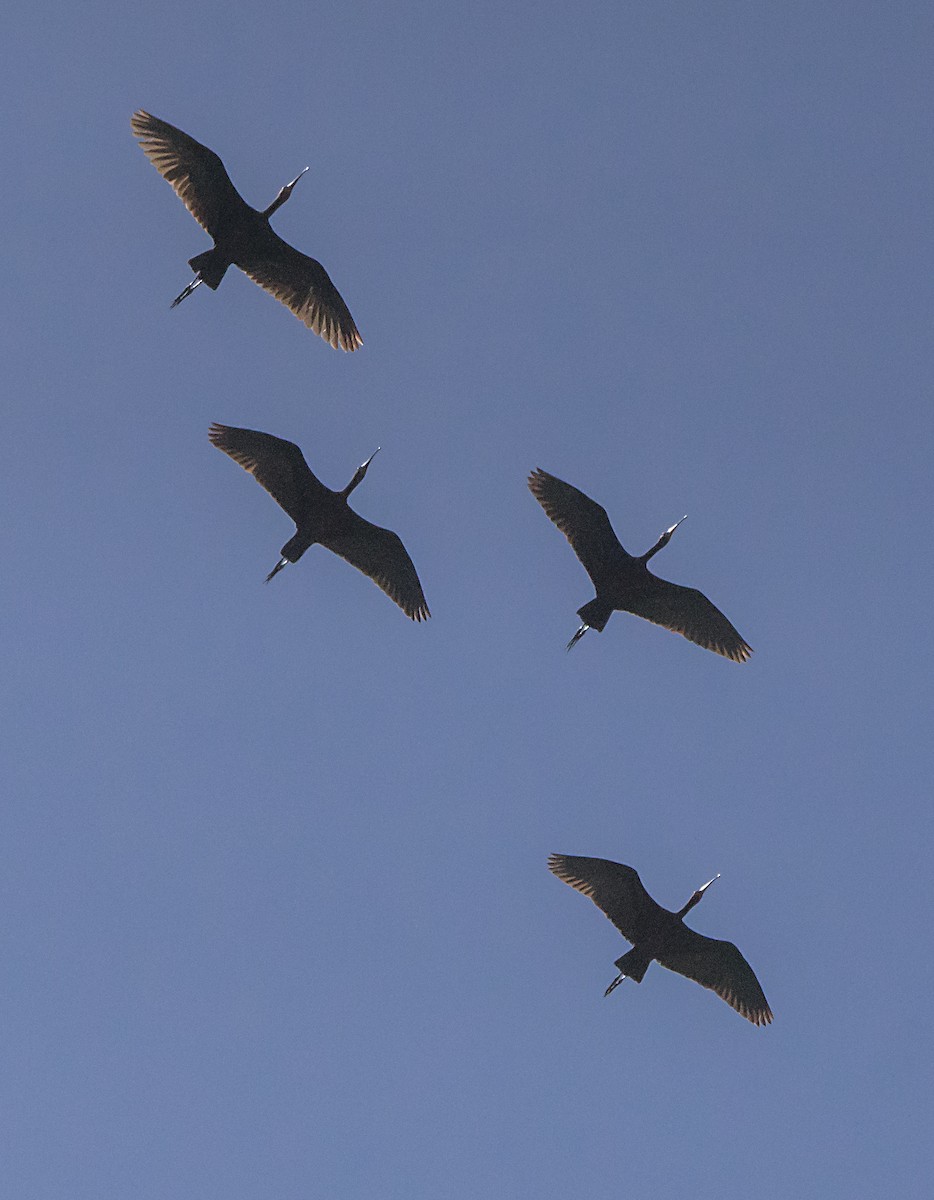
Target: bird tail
[
  {"x": 296, "y": 546},
  {"x": 210, "y": 268},
  {"x": 595, "y": 613},
  {"x": 633, "y": 965},
  {"x": 291, "y": 552}
]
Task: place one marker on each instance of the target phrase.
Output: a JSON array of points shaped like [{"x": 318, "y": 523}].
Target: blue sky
[{"x": 275, "y": 910}]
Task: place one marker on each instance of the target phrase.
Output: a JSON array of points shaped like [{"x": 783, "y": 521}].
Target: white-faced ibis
[
  {"x": 324, "y": 516},
  {"x": 658, "y": 934},
  {"x": 623, "y": 581},
  {"x": 242, "y": 235}
]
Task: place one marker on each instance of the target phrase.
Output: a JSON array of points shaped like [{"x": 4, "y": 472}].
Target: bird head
[
  {"x": 663, "y": 540},
  {"x": 359, "y": 473},
  {"x": 287, "y": 190},
  {"x": 700, "y": 891},
  {"x": 284, "y": 194},
  {"x": 698, "y": 895}
]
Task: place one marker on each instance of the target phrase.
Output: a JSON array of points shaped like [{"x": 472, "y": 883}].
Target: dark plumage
[
  {"x": 624, "y": 582},
  {"x": 242, "y": 235},
  {"x": 324, "y": 516},
  {"x": 659, "y": 934}
]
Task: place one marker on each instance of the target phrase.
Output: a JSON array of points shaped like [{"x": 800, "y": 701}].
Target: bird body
[
  {"x": 324, "y": 516},
  {"x": 660, "y": 935},
  {"x": 243, "y": 236},
  {"x": 624, "y": 582}
]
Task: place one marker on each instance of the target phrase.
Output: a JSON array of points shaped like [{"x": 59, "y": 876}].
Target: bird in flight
[
  {"x": 324, "y": 516},
  {"x": 661, "y": 935},
  {"x": 623, "y": 581},
  {"x": 242, "y": 235}
]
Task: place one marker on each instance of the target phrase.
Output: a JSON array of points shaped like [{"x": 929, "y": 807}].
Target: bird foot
[
  {"x": 187, "y": 292},
  {"x": 577, "y": 636}
]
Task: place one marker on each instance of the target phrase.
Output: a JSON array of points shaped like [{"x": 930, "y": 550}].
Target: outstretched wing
[
  {"x": 615, "y": 889},
  {"x": 583, "y": 522},
  {"x": 197, "y": 173},
  {"x": 687, "y": 611},
  {"x": 303, "y": 285},
  {"x": 720, "y": 966},
  {"x": 279, "y": 466},
  {"x": 380, "y": 554}
]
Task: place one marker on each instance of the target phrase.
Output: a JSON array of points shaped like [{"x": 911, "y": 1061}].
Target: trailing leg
[{"x": 187, "y": 292}]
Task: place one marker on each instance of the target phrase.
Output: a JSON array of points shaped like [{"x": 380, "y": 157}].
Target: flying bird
[
  {"x": 242, "y": 235},
  {"x": 659, "y": 934},
  {"x": 324, "y": 516},
  {"x": 623, "y": 581}
]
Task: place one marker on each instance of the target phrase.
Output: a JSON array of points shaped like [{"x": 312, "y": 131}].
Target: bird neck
[
  {"x": 695, "y": 899},
  {"x": 278, "y": 202},
  {"x": 659, "y": 545},
  {"x": 358, "y": 476},
  {"x": 662, "y": 541}
]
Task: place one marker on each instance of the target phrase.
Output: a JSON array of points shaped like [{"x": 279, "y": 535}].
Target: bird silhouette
[
  {"x": 322, "y": 515},
  {"x": 242, "y": 235},
  {"x": 624, "y": 582},
  {"x": 659, "y": 934}
]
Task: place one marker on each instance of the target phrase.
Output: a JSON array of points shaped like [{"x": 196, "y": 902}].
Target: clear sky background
[{"x": 276, "y": 920}]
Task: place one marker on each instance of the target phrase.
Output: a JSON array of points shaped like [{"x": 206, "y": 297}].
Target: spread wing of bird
[
  {"x": 721, "y": 967},
  {"x": 273, "y": 462},
  {"x": 303, "y": 285},
  {"x": 380, "y": 554},
  {"x": 582, "y": 521},
  {"x": 197, "y": 173},
  {"x": 615, "y": 889},
  {"x": 687, "y": 611}
]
